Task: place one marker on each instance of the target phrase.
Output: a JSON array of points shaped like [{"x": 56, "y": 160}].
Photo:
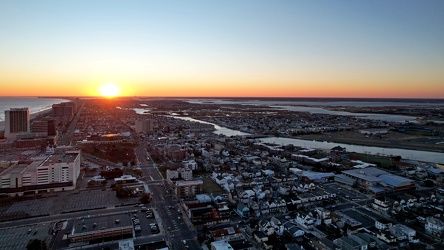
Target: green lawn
[
  {"x": 211, "y": 187},
  {"x": 383, "y": 160}
]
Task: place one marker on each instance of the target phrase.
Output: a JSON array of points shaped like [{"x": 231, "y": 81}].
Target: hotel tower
[{"x": 16, "y": 121}]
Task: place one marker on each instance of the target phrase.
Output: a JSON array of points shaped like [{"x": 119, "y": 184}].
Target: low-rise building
[
  {"x": 187, "y": 189},
  {"x": 56, "y": 172},
  {"x": 101, "y": 228},
  {"x": 434, "y": 226}
]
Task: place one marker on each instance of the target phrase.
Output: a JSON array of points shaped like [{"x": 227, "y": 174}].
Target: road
[
  {"x": 65, "y": 139},
  {"x": 175, "y": 228},
  {"x": 171, "y": 219}
]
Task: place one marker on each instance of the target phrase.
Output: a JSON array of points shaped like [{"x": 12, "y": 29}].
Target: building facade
[
  {"x": 57, "y": 172},
  {"x": 64, "y": 109},
  {"x": 188, "y": 189},
  {"x": 16, "y": 121},
  {"x": 144, "y": 126}
]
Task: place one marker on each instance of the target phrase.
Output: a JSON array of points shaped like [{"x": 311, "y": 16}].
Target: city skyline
[{"x": 236, "y": 49}]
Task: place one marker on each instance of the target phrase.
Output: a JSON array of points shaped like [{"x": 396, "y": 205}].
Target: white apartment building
[
  {"x": 55, "y": 173},
  {"x": 184, "y": 173},
  {"x": 191, "y": 164},
  {"x": 187, "y": 189}
]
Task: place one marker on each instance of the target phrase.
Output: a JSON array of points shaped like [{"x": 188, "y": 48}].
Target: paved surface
[
  {"x": 18, "y": 237},
  {"x": 62, "y": 203}
]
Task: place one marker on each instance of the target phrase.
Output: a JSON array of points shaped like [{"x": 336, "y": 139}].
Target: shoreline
[
  {"x": 385, "y": 142},
  {"x": 32, "y": 116}
]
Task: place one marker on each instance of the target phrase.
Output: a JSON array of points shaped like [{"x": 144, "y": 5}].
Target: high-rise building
[
  {"x": 16, "y": 121},
  {"x": 144, "y": 126},
  {"x": 46, "y": 126},
  {"x": 64, "y": 109}
]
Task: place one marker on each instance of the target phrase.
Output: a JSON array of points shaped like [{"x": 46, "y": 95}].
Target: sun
[{"x": 109, "y": 90}]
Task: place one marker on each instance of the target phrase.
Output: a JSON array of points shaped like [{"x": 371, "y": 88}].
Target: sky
[{"x": 257, "y": 48}]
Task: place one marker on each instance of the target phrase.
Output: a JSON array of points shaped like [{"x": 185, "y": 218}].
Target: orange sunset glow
[
  {"x": 164, "y": 52},
  {"x": 109, "y": 90}
]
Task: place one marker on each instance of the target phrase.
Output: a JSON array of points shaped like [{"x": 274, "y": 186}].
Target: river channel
[{"x": 416, "y": 155}]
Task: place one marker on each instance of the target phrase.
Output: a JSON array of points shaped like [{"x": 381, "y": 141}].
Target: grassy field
[
  {"x": 384, "y": 161},
  {"x": 211, "y": 187}
]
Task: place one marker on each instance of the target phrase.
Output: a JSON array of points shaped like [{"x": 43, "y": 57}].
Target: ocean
[{"x": 34, "y": 104}]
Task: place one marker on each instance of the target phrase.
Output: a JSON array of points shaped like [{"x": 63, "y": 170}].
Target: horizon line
[{"x": 225, "y": 97}]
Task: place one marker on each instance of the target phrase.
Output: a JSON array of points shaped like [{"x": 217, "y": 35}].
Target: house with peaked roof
[
  {"x": 402, "y": 232},
  {"x": 434, "y": 226},
  {"x": 229, "y": 233},
  {"x": 347, "y": 243},
  {"x": 305, "y": 219},
  {"x": 266, "y": 227},
  {"x": 243, "y": 210}
]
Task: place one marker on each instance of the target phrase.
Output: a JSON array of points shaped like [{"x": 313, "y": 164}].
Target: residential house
[
  {"x": 266, "y": 227},
  {"x": 243, "y": 210},
  {"x": 382, "y": 224},
  {"x": 434, "y": 226},
  {"x": 305, "y": 219},
  {"x": 346, "y": 243}
]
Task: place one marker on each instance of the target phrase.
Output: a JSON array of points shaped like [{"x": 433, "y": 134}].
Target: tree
[
  {"x": 145, "y": 198},
  {"x": 36, "y": 244},
  {"x": 122, "y": 192}
]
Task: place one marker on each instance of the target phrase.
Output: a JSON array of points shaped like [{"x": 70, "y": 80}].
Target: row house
[
  {"x": 352, "y": 225},
  {"x": 386, "y": 236},
  {"x": 383, "y": 224},
  {"x": 381, "y": 206},
  {"x": 278, "y": 181},
  {"x": 402, "y": 232},
  {"x": 434, "y": 226},
  {"x": 229, "y": 233},
  {"x": 293, "y": 230},
  {"x": 305, "y": 219},
  {"x": 348, "y": 243},
  {"x": 206, "y": 213},
  {"x": 324, "y": 215},
  {"x": 266, "y": 227},
  {"x": 243, "y": 210}
]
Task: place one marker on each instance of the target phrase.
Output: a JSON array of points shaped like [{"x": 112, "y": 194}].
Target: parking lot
[
  {"x": 65, "y": 202},
  {"x": 89, "y": 200},
  {"x": 18, "y": 237},
  {"x": 144, "y": 221},
  {"x": 26, "y": 208}
]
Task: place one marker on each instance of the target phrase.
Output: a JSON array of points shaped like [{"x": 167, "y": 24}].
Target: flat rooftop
[
  {"x": 101, "y": 223},
  {"x": 65, "y": 158},
  {"x": 22, "y": 166}
]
